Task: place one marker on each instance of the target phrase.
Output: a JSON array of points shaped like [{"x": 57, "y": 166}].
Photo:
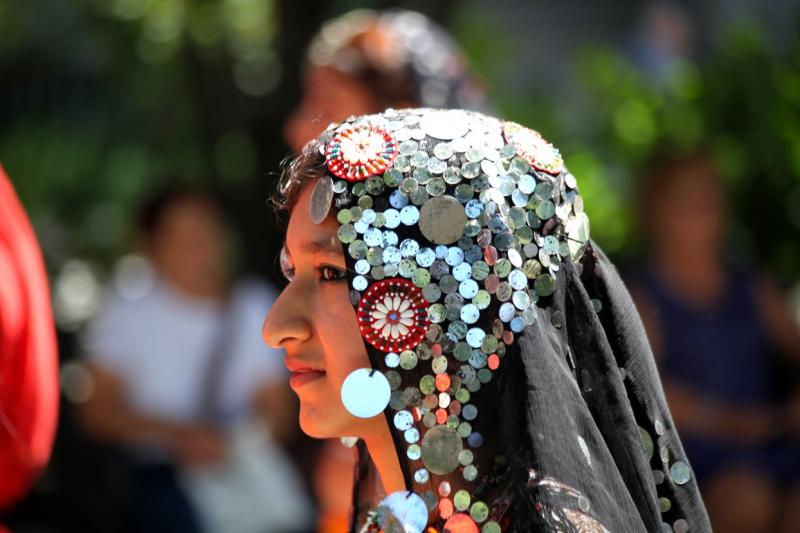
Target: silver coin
[
  {"x": 445, "y": 125},
  {"x": 442, "y": 220},
  {"x": 570, "y": 181},
  {"x": 577, "y": 235},
  {"x": 440, "y": 448},
  {"x": 321, "y": 198}
]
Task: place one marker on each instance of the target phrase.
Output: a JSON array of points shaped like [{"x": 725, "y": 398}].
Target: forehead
[{"x": 304, "y": 236}]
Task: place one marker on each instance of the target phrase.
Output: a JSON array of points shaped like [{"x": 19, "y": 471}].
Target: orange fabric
[
  {"x": 331, "y": 524},
  {"x": 28, "y": 353}
]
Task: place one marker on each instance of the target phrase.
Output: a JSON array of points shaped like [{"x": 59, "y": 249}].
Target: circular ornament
[
  {"x": 531, "y": 145},
  {"x": 680, "y": 472},
  {"x": 356, "y": 153},
  {"x": 408, "y": 509},
  {"x": 321, "y": 199},
  {"x": 680, "y": 526},
  {"x": 479, "y": 511},
  {"x": 460, "y": 523},
  {"x": 445, "y": 125},
  {"x": 442, "y": 219},
  {"x": 445, "y": 508},
  {"x": 365, "y": 393},
  {"x": 491, "y": 527},
  {"x": 440, "y": 448},
  {"x": 392, "y": 315}
]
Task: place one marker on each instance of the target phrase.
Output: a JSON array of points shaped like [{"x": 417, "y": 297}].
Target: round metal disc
[
  {"x": 365, "y": 393},
  {"x": 445, "y": 125},
  {"x": 440, "y": 448},
  {"x": 442, "y": 219},
  {"x": 578, "y": 235},
  {"x": 408, "y": 509},
  {"x": 460, "y": 523},
  {"x": 321, "y": 198}
]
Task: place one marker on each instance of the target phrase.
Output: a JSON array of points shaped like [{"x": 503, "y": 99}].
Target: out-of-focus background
[{"x": 688, "y": 108}]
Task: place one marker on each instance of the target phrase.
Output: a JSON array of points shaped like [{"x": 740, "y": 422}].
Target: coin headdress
[{"x": 506, "y": 355}]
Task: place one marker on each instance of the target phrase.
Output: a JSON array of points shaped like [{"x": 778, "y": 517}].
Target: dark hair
[
  {"x": 158, "y": 203},
  {"x": 296, "y": 173}
]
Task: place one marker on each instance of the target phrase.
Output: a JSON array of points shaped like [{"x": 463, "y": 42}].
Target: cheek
[{"x": 340, "y": 336}]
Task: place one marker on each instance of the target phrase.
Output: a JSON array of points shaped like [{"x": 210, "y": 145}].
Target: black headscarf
[{"x": 524, "y": 392}]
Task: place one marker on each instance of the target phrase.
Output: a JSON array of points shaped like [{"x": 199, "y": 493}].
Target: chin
[{"x": 317, "y": 423}]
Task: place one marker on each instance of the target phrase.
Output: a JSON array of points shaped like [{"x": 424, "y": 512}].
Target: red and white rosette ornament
[
  {"x": 534, "y": 148},
  {"x": 393, "y": 315},
  {"x": 357, "y": 152}
]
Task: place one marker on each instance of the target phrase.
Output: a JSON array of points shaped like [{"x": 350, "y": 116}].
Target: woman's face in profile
[{"x": 316, "y": 325}]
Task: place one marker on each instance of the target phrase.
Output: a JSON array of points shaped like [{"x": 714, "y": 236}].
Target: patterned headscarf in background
[{"x": 407, "y": 55}]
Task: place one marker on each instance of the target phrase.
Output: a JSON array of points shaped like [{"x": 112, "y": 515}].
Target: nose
[{"x": 287, "y": 320}]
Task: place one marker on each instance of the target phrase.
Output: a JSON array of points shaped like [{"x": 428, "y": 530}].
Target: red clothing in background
[{"x": 28, "y": 357}]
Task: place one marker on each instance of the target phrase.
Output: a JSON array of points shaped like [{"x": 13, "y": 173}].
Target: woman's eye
[{"x": 329, "y": 273}]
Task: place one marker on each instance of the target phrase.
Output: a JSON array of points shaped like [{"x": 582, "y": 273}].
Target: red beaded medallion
[
  {"x": 534, "y": 148},
  {"x": 393, "y": 315},
  {"x": 356, "y": 153}
]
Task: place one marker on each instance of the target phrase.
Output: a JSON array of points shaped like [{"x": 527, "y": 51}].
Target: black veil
[{"x": 581, "y": 418}]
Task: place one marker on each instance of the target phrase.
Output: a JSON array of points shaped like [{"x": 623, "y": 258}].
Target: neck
[{"x": 384, "y": 456}]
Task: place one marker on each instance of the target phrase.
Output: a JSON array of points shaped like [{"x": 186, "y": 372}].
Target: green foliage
[
  {"x": 109, "y": 98},
  {"x": 102, "y": 99},
  {"x": 742, "y": 103}
]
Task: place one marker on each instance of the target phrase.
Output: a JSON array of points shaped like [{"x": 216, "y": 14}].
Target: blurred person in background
[
  {"x": 28, "y": 354},
  {"x": 665, "y": 34},
  {"x": 360, "y": 63},
  {"x": 366, "y": 61},
  {"x": 177, "y": 368},
  {"x": 714, "y": 329}
]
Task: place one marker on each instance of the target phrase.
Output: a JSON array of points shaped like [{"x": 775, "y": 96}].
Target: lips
[{"x": 302, "y": 374}]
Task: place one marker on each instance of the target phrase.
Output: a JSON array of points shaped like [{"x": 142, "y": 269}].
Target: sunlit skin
[{"x": 315, "y": 323}]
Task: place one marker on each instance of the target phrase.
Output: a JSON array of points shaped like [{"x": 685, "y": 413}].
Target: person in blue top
[{"x": 714, "y": 329}]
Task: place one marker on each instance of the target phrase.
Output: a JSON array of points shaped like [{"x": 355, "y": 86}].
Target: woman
[
  {"x": 446, "y": 307},
  {"x": 365, "y": 61},
  {"x": 715, "y": 329},
  {"x": 360, "y": 63}
]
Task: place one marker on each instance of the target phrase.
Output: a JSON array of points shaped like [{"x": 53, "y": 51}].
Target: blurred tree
[
  {"x": 742, "y": 101},
  {"x": 102, "y": 99}
]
